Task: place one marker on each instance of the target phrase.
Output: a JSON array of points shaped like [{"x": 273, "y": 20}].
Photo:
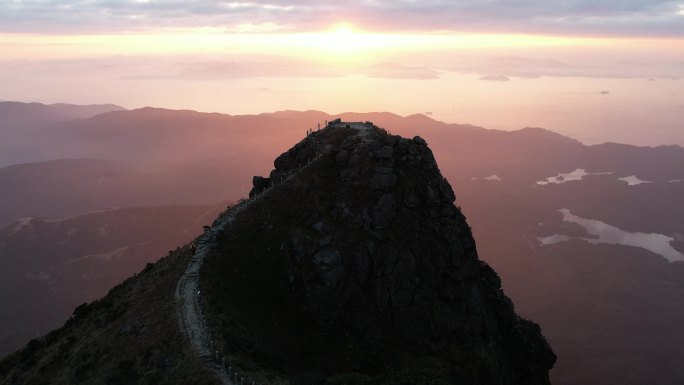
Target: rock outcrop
[{"x": 366, "y": 254}]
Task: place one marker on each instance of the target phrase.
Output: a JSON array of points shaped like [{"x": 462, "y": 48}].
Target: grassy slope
[{"x": 129, "y": 337}]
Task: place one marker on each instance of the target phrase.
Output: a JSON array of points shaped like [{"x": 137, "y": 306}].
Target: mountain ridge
[{"x": 484, "y": 342}]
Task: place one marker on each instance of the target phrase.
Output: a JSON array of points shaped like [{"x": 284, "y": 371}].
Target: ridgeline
[{"x": 349, "y": 264}]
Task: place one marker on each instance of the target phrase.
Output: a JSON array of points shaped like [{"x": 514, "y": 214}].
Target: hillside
[
  {"x": 357, "y": 267},
  {"x": 59, "y": 264},
  {"x": 131, "y": 336}
]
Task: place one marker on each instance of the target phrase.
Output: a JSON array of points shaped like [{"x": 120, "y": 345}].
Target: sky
[{"x": 599, "y": 70}]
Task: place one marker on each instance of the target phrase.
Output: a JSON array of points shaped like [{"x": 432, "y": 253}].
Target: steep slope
[
  {"x": 59, "y": 264},
  {"x": 130, "y": 336},
  {"x": 361, "y": 267}
]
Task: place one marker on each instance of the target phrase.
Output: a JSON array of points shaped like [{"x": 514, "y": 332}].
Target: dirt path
[{"x": 191, "y": 319}]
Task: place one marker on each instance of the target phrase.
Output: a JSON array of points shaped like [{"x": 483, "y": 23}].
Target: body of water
[{"x": 605, "y": 233}]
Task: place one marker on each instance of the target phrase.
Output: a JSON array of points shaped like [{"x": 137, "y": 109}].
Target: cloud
[
  {"x": 531, "y": 68},
  {"x": 495, "y": 78},
  {"x": 398, "y": 71},
  {"x": 625, "y": 17},
  {"x": 248, "y": 66},
  {"x": 239, "y": 67}
]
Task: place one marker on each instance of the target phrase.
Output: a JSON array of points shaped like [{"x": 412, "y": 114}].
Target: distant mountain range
[
  {"x": 20, "y": 125},
  {"x": 610, "y": 311},
  {"x": 28, "y": 116}
]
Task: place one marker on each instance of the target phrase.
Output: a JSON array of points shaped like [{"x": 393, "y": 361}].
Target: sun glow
[
  {"x": 343, "y": 39},
  {"x": 342, "y": 42}
]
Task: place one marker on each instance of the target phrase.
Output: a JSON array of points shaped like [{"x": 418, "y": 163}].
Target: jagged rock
[
  {"x": 342, "y": 157},
  {"x": 446, "y": 191},
  {"x": 349, "y": 174},
  {"x": 356, "y": 222},
  {"x": 282, "y": 161},
  {"x": 387, "y": 163},
  {"x": 432, "y": 195},
  {"x": 382, "y": 182},
  {"x": 303, "y": 246},
  {"x": 392, "y": 140},
  {"x": 372, "y": 148},
  {"x": 420, "y": 140},
  {"x": 318, "y": 226},
  {"x": 379, "y": 220},
  {"x": 411, "y": 199},
  {"x": 260, "y": 183},
  {"x": 384, "y": 152},
  {"x": 400, "y": 151},
  {"x": 384, "y": 170},
  {"x": 348, "y": 143},
  {"x": 384, "y": 211},
  {"x": 329, "y": 264}
]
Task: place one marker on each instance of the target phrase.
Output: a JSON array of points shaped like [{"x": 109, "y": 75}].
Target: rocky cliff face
[{"x": 360, "y": 269}]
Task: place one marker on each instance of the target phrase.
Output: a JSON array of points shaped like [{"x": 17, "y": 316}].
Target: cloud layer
[{"x": 592, "y": 17}]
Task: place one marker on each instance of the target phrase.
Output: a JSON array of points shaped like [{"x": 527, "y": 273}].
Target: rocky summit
[
  {"x": 354, "y": 266},
  {"x": 349, "y": 264}
]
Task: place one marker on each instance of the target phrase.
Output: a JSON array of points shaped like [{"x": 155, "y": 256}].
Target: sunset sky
[{"x": 595, "y": 70}]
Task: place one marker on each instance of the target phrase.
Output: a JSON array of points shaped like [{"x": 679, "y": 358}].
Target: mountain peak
[
  {"x": 545, "y": 134},
  {"x": 352, "y": 258}
]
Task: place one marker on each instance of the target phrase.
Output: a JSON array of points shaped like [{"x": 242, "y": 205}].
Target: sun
[
  {"x": 343, "y": 30},
  {"x": 343, "y": 38}
]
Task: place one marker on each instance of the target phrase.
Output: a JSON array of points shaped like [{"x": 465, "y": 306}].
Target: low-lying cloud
[
  {"x": 495, "y": 78},
  {"x": 187, "y": 68}
]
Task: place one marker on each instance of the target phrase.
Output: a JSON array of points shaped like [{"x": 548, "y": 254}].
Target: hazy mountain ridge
[
  {"x": 21, "y": 138},
  {"x": 152, "y": 133},
  {"x": 29, "y": 116}
]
